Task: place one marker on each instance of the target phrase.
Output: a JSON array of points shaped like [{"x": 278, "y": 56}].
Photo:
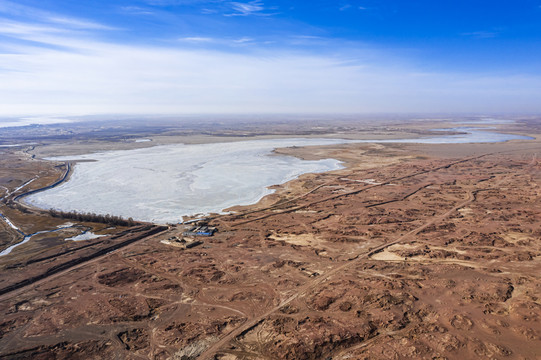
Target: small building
[
  {"x": 184, "y": 243},
  {"x": 202, "y": 230},
  {"x": 191, "y": 244}
]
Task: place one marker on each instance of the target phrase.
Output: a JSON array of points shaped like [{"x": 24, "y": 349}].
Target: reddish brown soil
[{"x": 424, "y": 255}]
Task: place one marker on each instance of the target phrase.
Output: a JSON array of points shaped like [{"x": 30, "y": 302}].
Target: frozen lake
[{"x": 162, "y": 183}]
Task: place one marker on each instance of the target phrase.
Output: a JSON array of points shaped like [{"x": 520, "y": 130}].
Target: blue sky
[{"x": 60, "y": 57}]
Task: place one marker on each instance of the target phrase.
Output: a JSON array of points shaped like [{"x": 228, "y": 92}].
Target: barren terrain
[{"x": 412, "y": 251}]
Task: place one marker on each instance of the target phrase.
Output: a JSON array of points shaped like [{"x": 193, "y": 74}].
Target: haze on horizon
[{"x": 268, "y": 56}]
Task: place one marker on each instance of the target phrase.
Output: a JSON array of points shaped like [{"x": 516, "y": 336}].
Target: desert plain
[{"x": 411, "y": 251}]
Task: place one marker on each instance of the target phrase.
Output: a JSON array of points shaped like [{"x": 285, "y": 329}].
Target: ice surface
[
  {"x": 87, "y": 235},
  {"x": 33, "y": 121},
  {"x": 11, "y": 225},
  {"x": 472, "y": 135},
  {"x": 163, "y": 183},
  {"x": 10, "y": 249},
  {"x": 15, "y": 145}
]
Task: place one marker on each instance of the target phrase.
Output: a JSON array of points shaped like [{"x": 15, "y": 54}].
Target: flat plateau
[{"x": 410, "y": 251}]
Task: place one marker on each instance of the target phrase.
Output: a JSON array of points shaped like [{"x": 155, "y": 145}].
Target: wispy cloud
[
  {"x": 180, "y": 2},
  {"x": 246, "y": 9},
  {"x": 79, "y": 24},
  {"x": 211, "y": 7},
  {"x": 20, "y": 29},
  {"x": 243, "y": 40},
  {"x": 197, "y": 39},
  {"x": 481, "y": 34},
  {"x": 82, "y": 73},
  {"x": 312, "y": 37},
  {"x": 208, "y": 11},
  {"x": 165, "y": 2},
  {"x": 47, "y": 35},
  {"x": 45, "y": 17},
  {"x": 231, "y": 42},
  {"x": 103, "y": 77},
  {"x": 349, "y": 6},
  {"x": 13, "y": 8},
  {"x": 136, "y": 10}
]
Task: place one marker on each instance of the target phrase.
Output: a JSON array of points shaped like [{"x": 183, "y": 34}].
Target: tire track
[{"x": 252, "y": 323}]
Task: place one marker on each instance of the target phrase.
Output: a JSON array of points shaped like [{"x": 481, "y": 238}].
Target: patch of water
[{"x": 28, "y": 237}]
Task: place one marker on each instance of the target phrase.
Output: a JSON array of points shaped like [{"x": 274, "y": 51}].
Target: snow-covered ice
[
  {"x": 11, "y": 225},
  {"x": 163, "y": 183},
  {"x": 87, "y": 235},
  {"x": 9, "y": 249},
  {"x": 33, "y": 121}
]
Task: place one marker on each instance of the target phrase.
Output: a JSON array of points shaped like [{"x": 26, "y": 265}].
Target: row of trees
[
  {"x": 91, "y": 217},
  {"x": 15, "y": 205}
]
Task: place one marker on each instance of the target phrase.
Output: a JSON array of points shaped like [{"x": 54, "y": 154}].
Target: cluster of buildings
[{"x": 189, "y": 236}]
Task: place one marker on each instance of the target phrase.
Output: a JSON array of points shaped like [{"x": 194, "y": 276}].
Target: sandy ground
[{"x": 413, "y": 251}]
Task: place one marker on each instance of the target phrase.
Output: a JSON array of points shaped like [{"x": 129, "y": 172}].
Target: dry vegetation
[{"x": 411, "y": 252}]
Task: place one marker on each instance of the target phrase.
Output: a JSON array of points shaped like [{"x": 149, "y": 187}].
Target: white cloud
[
  {"x": 81, "y": 75},
  {"x": 167, "y": 2},
  {"x": 48, "y": 35},
  {"x": 79, "y": 24},
  {"x": 136, "y": 10},
  {"x": 208, "y": 11},
  {"x": 481, "y": 34},
  {"x": 13, "y": 9},
  {"x": 21, "y": 30},
  {"x": 243, "y": 40},
  {"x": 197, "y": 39},
  {"x": 349, "y": 6},
  {"x": 245, "y": 9},
  {"x": 202, "y": 40},
  {"x": 308, "y": 37},
  {"x": 180, "y": 2}
]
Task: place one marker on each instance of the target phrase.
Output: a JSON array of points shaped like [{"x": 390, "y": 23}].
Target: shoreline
[
  {"x": 60, "y": 181},
  {"x": 406, "y": 239},
  {"x": 354, "y": 130},
  {"x": 303, "y": 151}
]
